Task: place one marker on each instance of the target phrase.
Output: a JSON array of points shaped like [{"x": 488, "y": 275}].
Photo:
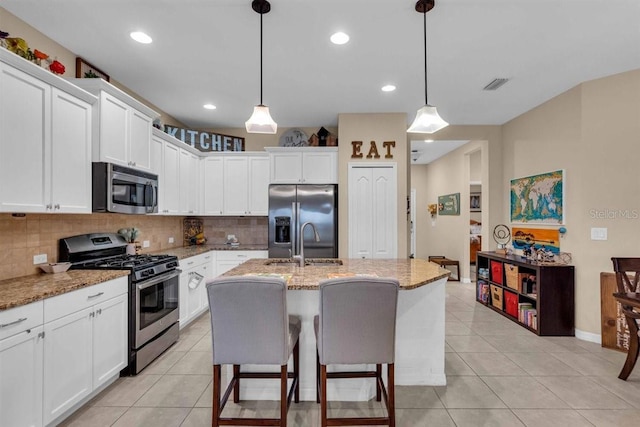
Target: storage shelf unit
[{"x": 539, "y": 297}]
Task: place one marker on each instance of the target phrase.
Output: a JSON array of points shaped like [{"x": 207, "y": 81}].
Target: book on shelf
[{"x": 483, "y": 292}]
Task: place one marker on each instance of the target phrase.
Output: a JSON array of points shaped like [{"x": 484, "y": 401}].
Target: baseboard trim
[{"x": 588, "y": 336}]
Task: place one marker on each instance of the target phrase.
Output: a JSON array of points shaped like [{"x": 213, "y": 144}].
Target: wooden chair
[
  {"x": 357, "y": 325},
  {"x": 628, "y": 280},
  {"x": 250, "y": 325}
]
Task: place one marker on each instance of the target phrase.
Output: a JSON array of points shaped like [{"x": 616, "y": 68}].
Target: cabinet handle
[
  {"x": 47, "y": 207},
  {"x": 56, "y": 206},
  {"x": 99, "y": 311},
  {"x": 96, "y": 295},
  {"x": 92, "y": 314},
  {"x": 189, "y": 263},
  {"x": 15, "y": 322},
  {"x": 41, "y": 335}
]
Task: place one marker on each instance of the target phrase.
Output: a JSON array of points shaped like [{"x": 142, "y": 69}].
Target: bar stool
[
  {"x": 250, "y": 325},
  {"x": 628, "y": 280},
  {"x": 357, "y": 325}
]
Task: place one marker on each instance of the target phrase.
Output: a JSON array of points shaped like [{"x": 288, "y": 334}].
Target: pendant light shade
[
  {"x": 427, "y": 118},
  {"x": 261, "y": 121}
]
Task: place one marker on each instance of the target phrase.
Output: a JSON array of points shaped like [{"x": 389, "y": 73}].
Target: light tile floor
[{"x": 498, "y": 374}]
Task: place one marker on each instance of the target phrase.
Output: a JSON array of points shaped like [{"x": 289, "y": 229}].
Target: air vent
[{"x": 495, "y": 84}]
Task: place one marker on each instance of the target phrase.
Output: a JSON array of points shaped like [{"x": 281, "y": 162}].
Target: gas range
[{"x": 141, "y": 266}]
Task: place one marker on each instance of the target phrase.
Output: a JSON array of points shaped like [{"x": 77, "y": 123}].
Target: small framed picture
[
  {"x": 85, "y": 70},
  {"x": 474, "y": 202}
]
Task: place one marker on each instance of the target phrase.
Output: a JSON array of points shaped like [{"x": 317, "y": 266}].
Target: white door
[
  {"x": 140, "y": 140},
  {"x": 373, "y": 231},
  {"x": 21, "y": 379},
  {"x": 25, "y": 132},
  {"x": 67, "y": 362},
  {"x": 70, "y": 154},
  {"x": 213, "y": 185},
  {"x": 235, "y": 185},
  {"x": 109, "y": 339}
]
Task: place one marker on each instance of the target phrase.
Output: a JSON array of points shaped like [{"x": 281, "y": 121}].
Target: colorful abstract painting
[
  {"x": 536, "y": 238},
  {"x": 538, "y": 199}
]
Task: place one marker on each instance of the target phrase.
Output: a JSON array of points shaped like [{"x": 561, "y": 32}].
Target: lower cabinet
[
  {"x": 21, "y": 370},
  {"x": 85, "y": 343},
  {"x": 196, "y": 271},
  {"x": 231, "y": 259}
]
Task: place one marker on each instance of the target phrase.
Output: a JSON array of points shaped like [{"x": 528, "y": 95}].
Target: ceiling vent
[{"x": 495, "y": 84}]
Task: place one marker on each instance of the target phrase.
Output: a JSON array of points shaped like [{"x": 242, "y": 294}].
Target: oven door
[{"x": 156, "y": 305}]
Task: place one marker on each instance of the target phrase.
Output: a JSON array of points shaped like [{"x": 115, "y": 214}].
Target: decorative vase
[{"x": 131, "y": 248}]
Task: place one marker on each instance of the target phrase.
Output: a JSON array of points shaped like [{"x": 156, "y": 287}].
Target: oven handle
[{"x": 157, "y": 279}]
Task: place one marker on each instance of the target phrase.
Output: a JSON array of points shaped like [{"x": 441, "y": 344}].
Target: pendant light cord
[
  {"x": 424, "y": 14},
  {"x": 261, "y": 59}
]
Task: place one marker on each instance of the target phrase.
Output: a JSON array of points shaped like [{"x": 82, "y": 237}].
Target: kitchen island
[{"x": 419, "y": 325}]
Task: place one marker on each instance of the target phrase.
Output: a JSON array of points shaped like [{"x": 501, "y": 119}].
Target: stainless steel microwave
[{"x": 123, "y": 190}]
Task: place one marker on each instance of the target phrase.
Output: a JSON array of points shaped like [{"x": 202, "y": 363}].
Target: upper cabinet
[
  {"x": 122, "y": 132},
  {"x": 45, "y": 140},
  {"x": 306, "y": 165}
]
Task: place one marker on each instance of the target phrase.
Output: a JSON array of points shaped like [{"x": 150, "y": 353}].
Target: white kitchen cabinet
[
  {"x": 122, "y": 128},
  {"x": 21, "y": 368},
  {"x": 78, "y": 328},
  {"x": 258, "y": 192},
  {"x": 226, "y": 260},
  {"x": 196, "y": 271},
  {"x": 306, "y": 165},
  {"x": 45, "y": 136},
  {"x": 188, "y": 197},
  {"x": 236, "y": 186},
  {"x": 213, "y": 185},
  {"x": 169, "y": 185}
]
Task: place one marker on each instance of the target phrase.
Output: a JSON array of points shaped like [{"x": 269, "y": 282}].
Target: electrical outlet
[
  {"x": 145, "y": 244},
  {"x": 40, "y": 259},
  {"x": 171, "y": 240},
  {"x": 598, "y": 233}
]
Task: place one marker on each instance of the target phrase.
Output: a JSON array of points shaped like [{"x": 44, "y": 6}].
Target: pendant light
[
  {"x": 427, "y": 118},
  {"x": 261, "y": 121}
]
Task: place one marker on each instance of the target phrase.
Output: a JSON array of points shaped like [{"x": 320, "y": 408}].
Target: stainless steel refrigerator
[{"x": 292, "y": 205}]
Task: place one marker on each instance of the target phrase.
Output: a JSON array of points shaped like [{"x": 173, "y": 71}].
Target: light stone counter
[{"x": 420, "y": 322}]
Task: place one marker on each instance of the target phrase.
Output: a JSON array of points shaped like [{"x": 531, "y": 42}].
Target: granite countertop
[
  {"x": 27, "y": 289},
  {"x": 189, "y": 251},
  {"x": 411, "y": 273}
]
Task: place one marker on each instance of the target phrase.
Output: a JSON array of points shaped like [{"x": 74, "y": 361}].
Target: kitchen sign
[
  {"x": 206, "y": 141},
  {"x": 356, "y": 152}
]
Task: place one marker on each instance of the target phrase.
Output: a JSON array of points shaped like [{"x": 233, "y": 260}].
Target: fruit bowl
[{"x": 58, "y": 267}]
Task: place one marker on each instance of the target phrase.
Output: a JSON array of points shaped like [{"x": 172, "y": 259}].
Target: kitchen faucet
[{"x": 300, "y": 257}]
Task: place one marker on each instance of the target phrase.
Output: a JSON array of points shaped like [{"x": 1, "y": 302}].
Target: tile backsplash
[{"x": 24, "y": 235}]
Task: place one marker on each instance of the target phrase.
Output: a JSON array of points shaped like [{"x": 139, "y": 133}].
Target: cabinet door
[
  {"x": 109, "y": 339},
  {"x": 171, "y": 179},
  {"x": 67, "y": 362},
  {"x": 320, "y": 168},
  {"x": 184, "y": 296},
  {"x": 222, "y": 266},
  {"x": 188, "y": 183},
  {"x": 114, "y": 130},
  {"x": 70, "y": 154},
  {"x": 21, "y": 379},
  {"x": 25, "y": 142},
  {"x": 140, "y": 140},
  {"x": 194, "y": 184},
  {"x": 157, "y": 145},
  {"x": 196, "y": 284},
  {"x": 286, "y": 168},
  {"x": 213, "y": 183},
  {"x": 258, "y": 197},
  {"x": 235, "y": 185}
]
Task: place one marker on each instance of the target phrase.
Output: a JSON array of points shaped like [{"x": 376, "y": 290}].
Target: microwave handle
[{"x": 154, "y": 195}]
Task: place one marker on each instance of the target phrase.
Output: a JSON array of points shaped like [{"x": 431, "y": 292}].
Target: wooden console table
[{"x": 443, "y": 261}]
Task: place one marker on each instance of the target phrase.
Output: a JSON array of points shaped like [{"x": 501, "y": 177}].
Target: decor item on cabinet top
[
  {"x": 89, "y": 71},
  {"x": 193, "y": 232},
  {"x": 21, "y": 48},
  {"x": 323, "y": 138},
  {"x": 294, "y": 138},
  {"x": 130, "y": 235}
]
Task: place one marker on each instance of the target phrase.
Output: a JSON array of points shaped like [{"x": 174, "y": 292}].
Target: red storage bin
[
  {"x": 496, "y": 272},
  {"x": 511, "y": 303}
]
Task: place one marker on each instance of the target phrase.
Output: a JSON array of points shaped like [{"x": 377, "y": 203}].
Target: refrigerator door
[
  {"x": 318, "y": 204},
  {"x": 282, "y": 221}
]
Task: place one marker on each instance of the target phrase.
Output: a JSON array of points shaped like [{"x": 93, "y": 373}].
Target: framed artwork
[
  {"x": 536, "y": 238},
  {"x": 538, "y": 199},
  {"x": 474, "y": 202},
  {"x": 89, "y": 71},
  {"x": 449, "y": 204}
]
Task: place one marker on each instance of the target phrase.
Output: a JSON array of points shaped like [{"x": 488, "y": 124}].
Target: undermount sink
[{"x": 314, "y": 262}]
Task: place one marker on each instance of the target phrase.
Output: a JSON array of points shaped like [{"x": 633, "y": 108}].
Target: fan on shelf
[{"x": 502, "y": 236}]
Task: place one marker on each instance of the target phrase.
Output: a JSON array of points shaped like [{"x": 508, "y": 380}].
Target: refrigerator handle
[
  {"x": 298, "y": 234},
  {"x": 294, "y": 229}
]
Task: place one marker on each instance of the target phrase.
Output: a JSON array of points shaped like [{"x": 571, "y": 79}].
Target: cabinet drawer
[
  {"x": 19, "y": 319},
  {"x": 240, "y": 255},
  {"x": 61, "y": 305},
  {"x": 193, "y": 261}
]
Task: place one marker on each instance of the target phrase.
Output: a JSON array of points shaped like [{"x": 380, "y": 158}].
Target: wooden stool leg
[
  {"x": 391, "y": 392},
  {"x": 632, "y": 354},
  {"x": 236, "y": 389},
  {"x": 317, "y": 377},
  {"x": 378, "y": 378},
  {"x": 323, "y": 395},
  {"x": 296, "y": 371},
  {"x": 283, "y": 395},
  {"x": 215, "y": 411}
]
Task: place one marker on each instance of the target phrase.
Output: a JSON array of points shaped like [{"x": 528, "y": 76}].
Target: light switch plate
[
  {"x": 40, "y": 259},
  {"x": 145, "y": 244},
  {"x": 598, "y": 233},
  {"x": 171, "y": 239}
]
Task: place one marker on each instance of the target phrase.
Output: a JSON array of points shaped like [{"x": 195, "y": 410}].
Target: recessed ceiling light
[
  {"x": 339, "y": 38},
  {"x": 141, "y": 37},
  {"x": 428, "y": 141},
  {"x": 388, "y": 88},
  {"x": 209, "y": 106}
]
